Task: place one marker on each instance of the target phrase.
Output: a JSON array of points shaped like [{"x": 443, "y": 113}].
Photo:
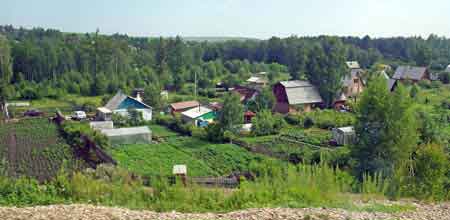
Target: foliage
[
  {"x": 386, "y": 129},
  {"x": 264, "y": 101},
  {"x": 231, "y": 115},
  {"x": 325, "y": 119},
  {"x": 265, "y": 123}
]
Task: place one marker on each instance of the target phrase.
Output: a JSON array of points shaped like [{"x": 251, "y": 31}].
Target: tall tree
[
  {"x": 232, "y": 113},
  {"x": 5, "y": 71},
  {"x": 326, "y": 68},
  {"x": 386, "y": 129}
]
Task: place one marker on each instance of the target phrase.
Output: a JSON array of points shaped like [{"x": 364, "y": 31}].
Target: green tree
[
  {"x": 152, "y": 96},
  {"x": 386, "y": 129},
  {"x": 5, "y": 71},
  {"x": 265, "y": 100},
  {"x": 232, "y": 113},
  {"x": 326, "y": 68}
]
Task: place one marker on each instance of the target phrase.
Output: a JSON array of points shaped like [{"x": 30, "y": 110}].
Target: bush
[
  {"x": 444, "y": 78},
  {"x": 327, "y": 119},
  {"x": 308, "y": 123},
  {"x": 265, "y": 123}
]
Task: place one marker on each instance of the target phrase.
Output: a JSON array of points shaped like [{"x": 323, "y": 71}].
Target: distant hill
[{"x": 218, "y": 39}]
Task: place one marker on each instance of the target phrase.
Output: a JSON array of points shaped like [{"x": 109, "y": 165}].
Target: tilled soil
[{"x": 90, "y": 212}]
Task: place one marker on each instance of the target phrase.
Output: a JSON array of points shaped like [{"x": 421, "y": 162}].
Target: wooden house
[
  {"x": 290, "y": 94},
  {"x": 353, "y": 83},
  {"x": 258, "y": 81},
  {"x": 412, "y": 73},
  {"x": 183, "y": 106},
  {"x": 246, "y": 94},
  {"x": 120, "y": 104}
]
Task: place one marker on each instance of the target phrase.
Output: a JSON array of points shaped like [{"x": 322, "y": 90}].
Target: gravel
[{"x": 90, "y": 212}]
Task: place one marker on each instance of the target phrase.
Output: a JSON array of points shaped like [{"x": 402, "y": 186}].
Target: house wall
[
  {"x": 280, "y": 93},
  {"x": 146, "y": 113},
  {"x": 355, "y": 88}
]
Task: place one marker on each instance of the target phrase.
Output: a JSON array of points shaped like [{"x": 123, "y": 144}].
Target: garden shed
[
  {"x": 344, "y": 135},
  {"x": 133, "y": 135}
]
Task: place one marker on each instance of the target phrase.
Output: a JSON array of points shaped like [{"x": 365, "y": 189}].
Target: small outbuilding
[
  {"x": 183, "y": 106},
  {"x": 344, "y": 135},
  {"x": 201, "y": 116},
  {"x": 133, "y": 135}
]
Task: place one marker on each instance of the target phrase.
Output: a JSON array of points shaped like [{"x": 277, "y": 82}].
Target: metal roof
[
  {"x": 353, "y": 64},
  {"x": 348, "y": 129},
  {"x": 184, "y": 105},
  {"x": 348, "y": 79},
  {"x": 295, "y": 83},
  {"x": 115, "y": 101},
  {"x": 391, "y": 83},
  {"x": 104, "y": 110},
  {"x": 409, "y": 72},
  {"x": 196, "y": 112},
  {"x": 126, "y": 131}
]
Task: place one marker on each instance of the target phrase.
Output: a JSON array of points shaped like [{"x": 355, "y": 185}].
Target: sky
[{"x": 233, "y": 18}]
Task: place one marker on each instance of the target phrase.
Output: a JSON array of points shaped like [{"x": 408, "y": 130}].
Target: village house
[
  {"x": 412, "y": 73},
  {"x": 120, "y": 104},
  {"x": 292, "y": 94},
  {"x": 258, "y": 80},
  {"x": 179, "y": 107},
  {"x": 246, "y": 94},
  {"x": 352, "y": 83},
  {"x": 353, "y": 65},
  {"x": 200, "y": 116}
]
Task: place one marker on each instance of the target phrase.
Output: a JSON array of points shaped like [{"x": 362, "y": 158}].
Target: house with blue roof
[{"x": 120, "y": 104}]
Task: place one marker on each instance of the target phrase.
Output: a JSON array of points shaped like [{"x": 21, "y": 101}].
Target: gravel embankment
[{"x": 89, "y": 212}]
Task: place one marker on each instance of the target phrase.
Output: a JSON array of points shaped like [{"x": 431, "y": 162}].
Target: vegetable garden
[{"x": 33, "y": 148}]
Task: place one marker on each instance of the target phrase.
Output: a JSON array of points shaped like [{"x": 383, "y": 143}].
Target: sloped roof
[
  {"x": 196, "y": 112},
  {"x": 184, "y": 105},
  {"x": 348, "y": 79},
  {"x": 245, "y": 93},
  {"x": 179, "y": 169},
  {"x": 391, "y": 83},
  {"x": 115, "y": 101},
  {"x": 348, "y": 129},
  {"x": 301, "y": 92},
  {"x": 126, "y": 131},
  {"x": 409, "y": 72},
  {"x": 256, "y": 79},
  {"x": 353, "y": 64}
]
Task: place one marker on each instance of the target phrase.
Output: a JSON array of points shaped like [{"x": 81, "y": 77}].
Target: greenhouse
[{"x": 134, "y": 135}]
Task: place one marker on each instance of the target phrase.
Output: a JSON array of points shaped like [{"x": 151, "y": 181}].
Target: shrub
[
  {"x": 328, "y": 118},
  {"x": 435, "y": 84},
  {"x": 444, "y": 78},
  {"x": 308, "y": 123},
  {"x": 265, "y": 123}
]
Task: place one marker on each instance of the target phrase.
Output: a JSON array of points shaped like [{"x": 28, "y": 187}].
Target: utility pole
[{"x": 195, "y": 85}]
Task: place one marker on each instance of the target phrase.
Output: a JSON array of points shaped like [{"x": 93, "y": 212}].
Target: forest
[{"x": 40, "y": 62}]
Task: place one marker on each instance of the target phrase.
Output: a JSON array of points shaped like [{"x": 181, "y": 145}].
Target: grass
[
  {"x": 160, "y": 131},
  {"x": 202, "y": 158}
]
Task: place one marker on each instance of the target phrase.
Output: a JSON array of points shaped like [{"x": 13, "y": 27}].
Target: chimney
[{"x": 139, "y": 94}]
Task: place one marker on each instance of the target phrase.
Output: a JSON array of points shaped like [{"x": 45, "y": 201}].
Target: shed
[
  {"x": 103, "y": 114},
  {"x": 180, "y": 169},
  {"x": 183, "y": 106},
  {"x": 198, "y": 114},
  {"x": 344, "y": 135},
  {"x": 133, "y": 135}
]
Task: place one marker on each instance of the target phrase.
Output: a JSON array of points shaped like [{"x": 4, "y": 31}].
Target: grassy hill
[{"x": 33, "y": 148}]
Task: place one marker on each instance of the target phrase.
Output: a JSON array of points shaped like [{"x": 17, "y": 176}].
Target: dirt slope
[{"x": 89, "y": 212}]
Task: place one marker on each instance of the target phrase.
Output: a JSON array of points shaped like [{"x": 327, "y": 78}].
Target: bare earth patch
[{"x": 90, "y": 212}]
